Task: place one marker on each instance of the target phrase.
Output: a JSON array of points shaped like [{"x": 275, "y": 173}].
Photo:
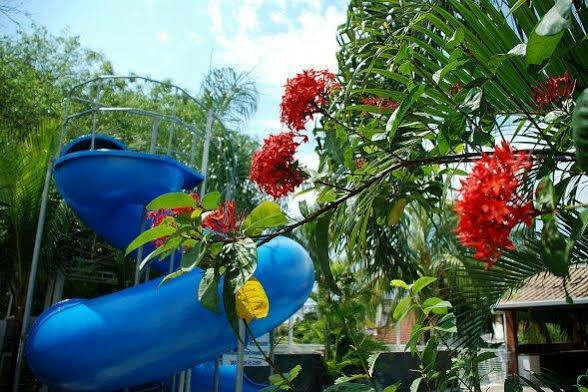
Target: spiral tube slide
[{"x": 146, "y": 332}]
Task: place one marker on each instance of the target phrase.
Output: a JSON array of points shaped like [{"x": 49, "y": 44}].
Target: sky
[{"x": 181, "y": 39}]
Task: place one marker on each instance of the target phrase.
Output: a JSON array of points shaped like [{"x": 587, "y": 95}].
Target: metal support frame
[
  {"x": 32, "y": 276},
  {"x": 205, "y": 152},
  {"x": 96, "y": 108},
  {"x": 240, "y": 357}
]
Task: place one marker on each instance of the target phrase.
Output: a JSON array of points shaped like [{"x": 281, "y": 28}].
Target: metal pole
[
  {"x": 204, "y": 167},
  {"x": 181, "y": 383},
  {"x": 240, "y": 357},
  {"x": 290, "y": 334},
  {"x": 216, "y": 384},
  {"x": 173, "y": 382},
  {"x": 188, "y": 385},
  {"x": 95, "y": 106},
  {"x": 33, "y": 274},
  {"x": 140, "y": 251},
  {"x": 154, "y": 131},
  {"x": 271, "y": 353}
]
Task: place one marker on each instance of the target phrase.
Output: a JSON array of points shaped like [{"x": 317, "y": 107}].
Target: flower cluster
[
  {"x": 456, "y": 88},
  {"x": 223, "y": 219},
  {"x": 306, "y": 94},
  {"x": 380, "y": 102},
  {"x": 273, "y": 167},
  {"x": 554, "y": 90},
  {"x": 156, "y": 218},
  {"x": 490, "y": 204}
]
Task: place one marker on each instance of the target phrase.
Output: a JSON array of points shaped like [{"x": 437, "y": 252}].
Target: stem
[
  {"x": 466, "y": 157},
  {"x": 564, "y": 208},
  {"x": 364, "y": 363},
  {"x": 515, "y": 100},
  {"x": 267, "y": 358},
  {"x": 341, "y": 188},
  {"x": 362, "y": 137}
]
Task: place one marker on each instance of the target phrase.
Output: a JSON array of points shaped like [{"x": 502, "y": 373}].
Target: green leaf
[
  {"x": 447, "y": 324},
  {"x": 230, "y": 305},
  {"x": 193, "y": 256},
  {"x": 241, "y": 260},
  {"x": 555, "y": 250},
  {"x": 546, "y": 35},
  {"x": 399, "y": 283},
  {"x": 545, "y": 194},
  {"x": 150, "y": 257},
  {"x": 294, "y": 372},
  {"x": 171, "y": 276},
  {"x": 327, "y": 196},
  {"x": 266, "y": 215},
  {"x": 208, "y": 290},
  {"x": 512, "y": 384},
  {"x": 421, "y": 283},
  {"x": 171, "y": 200},
  {"x": 416, "y": 334},
  {"x": 472, "y": 101},
  {"x": 438, "y": 76},
  {"x": 456, "y": 38},
  {"x": 436, "y": 305},
  {"x": 211, "y": 201},
  {"x": 414, "y": 387},
  {"x": 349, "y": 387},
  {"x": 516, "y": 6},
  {"x": 396, "y": 118},
  {"x": 580, "y": 130},
  {"x": 372, "y": 359},
  {"x": 152, "y": 234},
  {"x": 486, "y": 355},
  {"x": 392, "y": 388},
  {"x": 430, "y": 353},
  {"x": 402, "y": 308},
  {"x": 319, "y": 238},
  {"x": 396, "y": 212}
]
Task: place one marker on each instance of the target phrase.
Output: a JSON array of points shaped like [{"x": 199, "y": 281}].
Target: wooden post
[{"x": 512, "y": 344}]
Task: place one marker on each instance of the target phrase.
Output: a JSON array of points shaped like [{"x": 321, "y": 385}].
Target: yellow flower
[{"x": 251, "y": 301}]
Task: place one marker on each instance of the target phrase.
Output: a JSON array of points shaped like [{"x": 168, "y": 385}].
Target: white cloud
[
  {"x": 163, "y": 37},
  {"x": 278, "y": 17},
  {"x": 309, "y": 160},
  {"x": 194, "y": 37},
  {"x": 309, "y": 42},
  {"x": 215, "y": 15}
]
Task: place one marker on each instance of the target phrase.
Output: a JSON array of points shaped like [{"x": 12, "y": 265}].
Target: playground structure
[{"x": 134, "y": 336}]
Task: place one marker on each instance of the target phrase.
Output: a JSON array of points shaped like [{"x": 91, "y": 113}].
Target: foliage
[
  {"x": 39, "y": 62},
  {"x": 222, "y": 249}
]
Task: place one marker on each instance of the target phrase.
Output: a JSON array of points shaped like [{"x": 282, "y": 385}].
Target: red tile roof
[{"x": 547, "y": 290}]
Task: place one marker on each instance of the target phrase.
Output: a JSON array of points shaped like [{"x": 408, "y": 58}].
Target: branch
[{"x": 467, "y": 157}]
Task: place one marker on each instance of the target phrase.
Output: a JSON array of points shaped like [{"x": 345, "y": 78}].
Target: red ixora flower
[
  {"x": 273, "y": 167},
  {"x": 306, "y": 94},
  {"x": 380, "y": 102},
  {"x": 157, "y": 216},
  {"x": 223, "y": 219},
  {"x": 456, "y": 88},
  {"x": 490, "y": 204},
  {"x": 553, "y": 90}
]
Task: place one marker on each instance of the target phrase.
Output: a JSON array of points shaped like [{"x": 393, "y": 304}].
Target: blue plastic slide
[
  {"x": 145, "y": 333},
  {"x": 203, "y": 379}
]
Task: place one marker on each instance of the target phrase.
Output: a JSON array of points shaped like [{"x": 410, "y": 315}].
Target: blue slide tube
[
  {"x": 203, "y": 379},
  {"x": 145, "y": 333}
]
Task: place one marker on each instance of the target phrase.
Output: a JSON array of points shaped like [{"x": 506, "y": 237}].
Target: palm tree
[
  {"x": 231, "y": 94},
  {"x": 23, "y": 164}
]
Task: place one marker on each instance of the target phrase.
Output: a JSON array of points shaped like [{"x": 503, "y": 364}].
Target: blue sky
[{"x": 178, "y": 39}]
